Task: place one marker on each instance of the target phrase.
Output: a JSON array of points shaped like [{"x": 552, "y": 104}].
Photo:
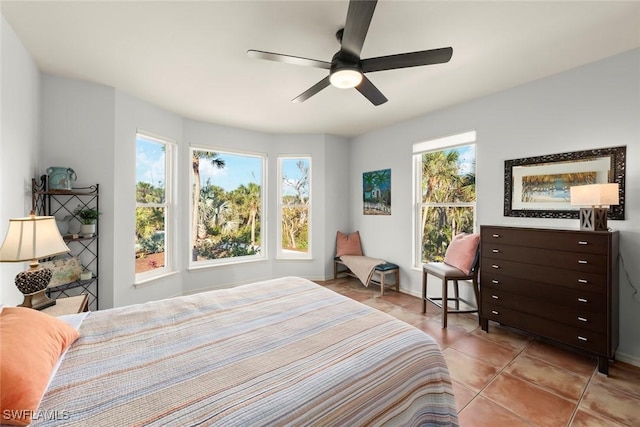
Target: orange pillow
[
  {"x": 462, "y": 251},
  {"x": 348, "y": 244},
  {"x": 32, "y": 343}
]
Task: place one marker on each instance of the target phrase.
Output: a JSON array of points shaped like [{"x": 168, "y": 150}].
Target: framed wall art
[
  {"x": 376, "y": 192},
  {"x": 538, "y": 187}
]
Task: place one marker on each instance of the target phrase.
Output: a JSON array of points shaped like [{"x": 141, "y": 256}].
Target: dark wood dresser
[{"x": 559, "y": 284}]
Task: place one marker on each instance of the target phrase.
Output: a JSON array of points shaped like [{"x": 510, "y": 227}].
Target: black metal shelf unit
[{"x": 63, "y": 204}]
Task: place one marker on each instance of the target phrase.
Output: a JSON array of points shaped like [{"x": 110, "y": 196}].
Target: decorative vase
[
  {"x": 60, "y": 177},
  {"x": 88, "y": 230}
]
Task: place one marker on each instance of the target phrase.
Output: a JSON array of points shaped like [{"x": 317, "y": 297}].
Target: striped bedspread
[{"x": 274, "y": 353}]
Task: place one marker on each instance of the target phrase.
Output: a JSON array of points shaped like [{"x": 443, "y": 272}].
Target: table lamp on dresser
[
  {"x": 595, "y": 200},
  {"x": 30, "y": 239}
]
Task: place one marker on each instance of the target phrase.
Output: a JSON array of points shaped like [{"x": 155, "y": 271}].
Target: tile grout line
[
  {"x": 480, "y": 393},
  {"x": 584, "y": 391}
]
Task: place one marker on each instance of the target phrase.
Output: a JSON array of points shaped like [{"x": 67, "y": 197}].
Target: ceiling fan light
[{"x": 345, "y": 79}]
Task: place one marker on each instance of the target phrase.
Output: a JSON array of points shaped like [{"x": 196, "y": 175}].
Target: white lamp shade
[
  {"x": 595, "y": 195},
  {"x": 32, "y": 238}
]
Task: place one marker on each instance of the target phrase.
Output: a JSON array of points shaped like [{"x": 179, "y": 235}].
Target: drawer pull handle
[
  {"x": 495, "y": 251},
  {"x": 581, "y": 261},
  {"x": 582, "y": 281},
  {"x": 582, "y": 242},
  {"x": 496, "y": 235},
  {"x": 495, "y": 281},
  {"x": 582, "y": 319},
  {"x": 495, "y": 266},
  {"x": 494, "y": 312},
  {"x": 582, "y": 300},
  {"x": 495, "y": 297},
  {"x": 582, "y": 338}
]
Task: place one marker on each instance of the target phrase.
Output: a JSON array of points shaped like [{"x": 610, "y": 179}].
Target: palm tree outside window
[
  {"x": 445, "y": 194},
  {"x": 227, "y": 205}
]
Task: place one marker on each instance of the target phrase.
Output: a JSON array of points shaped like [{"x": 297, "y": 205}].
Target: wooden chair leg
[
  {"x": 445, "y": 299},
  {"x": 456, "y": 293},
  {"x": 335, "y": 269},
  {"x": 382, "y": 274}
]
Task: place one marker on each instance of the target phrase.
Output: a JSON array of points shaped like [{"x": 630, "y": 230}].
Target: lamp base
[
  {"x": 33, "y": 284},
  {"x": 593, "y": 219},
  {"x": 37, "y": 300}
]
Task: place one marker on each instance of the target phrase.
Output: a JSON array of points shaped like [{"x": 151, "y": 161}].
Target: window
[
  {"x": 445, "y": 196},
  {"x": 227, "y": 205},
  {"x": 154, "y": 206},
  {"x": 294, "y": 207}
]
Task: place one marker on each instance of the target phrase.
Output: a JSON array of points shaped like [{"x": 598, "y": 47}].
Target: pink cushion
[
  {"x": 348, "y": 244},
  {"x": 462, "y": 251}
]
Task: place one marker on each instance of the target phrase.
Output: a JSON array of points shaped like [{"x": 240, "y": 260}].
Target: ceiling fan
[{"x": 346, "y": 69}]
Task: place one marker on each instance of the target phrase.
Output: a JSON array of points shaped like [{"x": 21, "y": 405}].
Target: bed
[{"x": 279, "y": 352}]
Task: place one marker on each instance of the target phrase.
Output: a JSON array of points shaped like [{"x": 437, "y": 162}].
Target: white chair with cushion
[{"x": 461, "y": 262}]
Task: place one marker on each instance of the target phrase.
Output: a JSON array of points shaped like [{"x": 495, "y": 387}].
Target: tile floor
[{"x": 507, "y": 378}]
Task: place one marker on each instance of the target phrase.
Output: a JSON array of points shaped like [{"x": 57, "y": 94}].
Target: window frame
[
  {"x": 280, "y": 253},
  {"x": 170, "y": 224},
  {"x": 457, "y": 140},
  {"x": 196, "y": 265}
]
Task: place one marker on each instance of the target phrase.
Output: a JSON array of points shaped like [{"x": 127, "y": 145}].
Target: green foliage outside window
[
  {"x": 152, "y": 215},
  {"x": 225, "y": 223},
  {"x": 448, "y": 199},
  {"x": 295, "y": 210}
]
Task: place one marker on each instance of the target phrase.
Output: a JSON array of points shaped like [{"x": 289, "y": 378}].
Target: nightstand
[{"x": 70, "y": 305}]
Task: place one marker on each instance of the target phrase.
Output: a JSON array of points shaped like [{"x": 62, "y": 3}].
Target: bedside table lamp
[
  {"x": 30, "y": 239},
  {"x": 598, "y": 198}
]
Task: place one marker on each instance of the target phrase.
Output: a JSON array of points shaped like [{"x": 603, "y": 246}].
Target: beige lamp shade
[
  {"x": 595, "y": 195},
  {"x": 32, "y": 238}
]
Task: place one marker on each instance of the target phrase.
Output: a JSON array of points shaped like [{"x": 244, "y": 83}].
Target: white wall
[
  {"x": 77, "y": 125},
  {"x": 336, "y": 200},
  {"x": 594, "y": 106},
  {"x": 19, "y": 143}
]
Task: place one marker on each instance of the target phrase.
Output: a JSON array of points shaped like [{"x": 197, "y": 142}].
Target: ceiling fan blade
[
  {"x": 359, "y": 17},
  {"x": 404, "y": 60},
  {"x": 288, "y": 59},
  {"x": 371, "y": 92},
  {"x": 312, "y": 90}
]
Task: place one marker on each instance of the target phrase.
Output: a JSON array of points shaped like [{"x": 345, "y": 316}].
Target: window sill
[
  {"x": 151, "y": 280},
  {"x": 294, "y": 259},
  {"x": 226, "y": 263}
]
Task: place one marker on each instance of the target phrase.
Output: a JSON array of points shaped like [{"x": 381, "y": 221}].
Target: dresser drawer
[
  {"x": 578, "y": 261},
  {"x": 560, "y": 284},
  {"x": 590, "y": 282},
  {"x": 573, "y": 315},
  {"x": 580, "y": 299},
  {"x": 572, "y": 241},
  {"x": 584, "y": 339}
]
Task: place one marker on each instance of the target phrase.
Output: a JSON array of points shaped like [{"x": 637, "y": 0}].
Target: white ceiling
[{"x": 190, "y": 57}]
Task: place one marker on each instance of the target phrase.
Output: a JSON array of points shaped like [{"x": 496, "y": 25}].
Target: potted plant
[{"x": 87, "y": 217}]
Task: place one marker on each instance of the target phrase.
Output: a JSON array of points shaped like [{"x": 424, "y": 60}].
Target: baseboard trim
[{"x": 627, "y": 358}]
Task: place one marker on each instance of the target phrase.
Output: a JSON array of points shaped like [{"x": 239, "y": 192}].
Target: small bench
[{"x": 379, "y": 274}]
